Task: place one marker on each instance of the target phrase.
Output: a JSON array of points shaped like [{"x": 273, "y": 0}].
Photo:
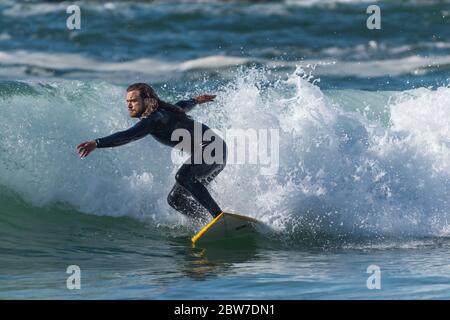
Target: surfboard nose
[{"x": 226, "y": 226}]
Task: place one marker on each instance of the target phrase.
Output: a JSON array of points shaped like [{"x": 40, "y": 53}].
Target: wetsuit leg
[
  {"x": 194, "y": 178},
  {"x": 181, "y": 200}
]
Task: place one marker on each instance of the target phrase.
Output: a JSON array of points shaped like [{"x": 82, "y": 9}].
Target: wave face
[{"x": 351, "y": 163}]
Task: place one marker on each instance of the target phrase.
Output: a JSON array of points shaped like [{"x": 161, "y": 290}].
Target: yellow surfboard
[{"x": 226, "y": 226}]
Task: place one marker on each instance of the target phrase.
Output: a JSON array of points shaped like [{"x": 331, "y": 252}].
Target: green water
[{"x": 124, "y": 258}]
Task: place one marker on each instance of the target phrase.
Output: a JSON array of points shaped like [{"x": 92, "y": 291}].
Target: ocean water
[{"x": 363, "y": 176}]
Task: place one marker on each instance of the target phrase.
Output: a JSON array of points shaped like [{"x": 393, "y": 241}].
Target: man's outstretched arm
[
  {"x": 136, "y": 132},
  {"x": 188, "y": 105}
]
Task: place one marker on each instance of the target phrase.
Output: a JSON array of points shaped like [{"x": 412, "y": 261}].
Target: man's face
[{"x": 135, "y": 104}]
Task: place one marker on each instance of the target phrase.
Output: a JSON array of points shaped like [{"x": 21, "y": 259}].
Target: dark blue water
[
  {"x": 364, "y": 154},
  {"x": 172, "y": 40}
]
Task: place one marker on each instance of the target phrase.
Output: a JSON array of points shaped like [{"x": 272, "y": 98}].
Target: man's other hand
[
  {"x": 85, "y": 148},
  {"x": 205, "y": 98}
]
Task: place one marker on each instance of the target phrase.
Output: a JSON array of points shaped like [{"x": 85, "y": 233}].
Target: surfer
[{"x": 159, "y": 119}]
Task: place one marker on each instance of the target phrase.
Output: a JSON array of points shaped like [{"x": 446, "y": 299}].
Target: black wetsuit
[{"x": 192, "y": 178}]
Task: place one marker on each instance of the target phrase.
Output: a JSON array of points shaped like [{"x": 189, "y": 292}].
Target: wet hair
[{"x": 146, "y": 91}]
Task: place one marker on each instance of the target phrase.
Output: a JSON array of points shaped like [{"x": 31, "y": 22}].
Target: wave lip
[
  {"x": 71, "y": 61},
  {"x": 33, "y": 9}
]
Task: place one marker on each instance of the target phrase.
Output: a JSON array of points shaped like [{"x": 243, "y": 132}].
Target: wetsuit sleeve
[
  {"x": 138, "y": 131},
  {"x": 186, "y": 105}
]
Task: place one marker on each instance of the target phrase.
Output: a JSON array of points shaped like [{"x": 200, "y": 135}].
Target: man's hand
[
  {"x": 85, "y": 148},
  {"x": 204, "y": 98}
]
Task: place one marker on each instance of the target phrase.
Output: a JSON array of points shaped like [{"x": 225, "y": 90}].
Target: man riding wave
[{"x": 160, "y": 119}]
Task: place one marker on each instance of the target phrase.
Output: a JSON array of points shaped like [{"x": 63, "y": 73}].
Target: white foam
[
  {"x": 309, "y": 3},
  {"x": 340, "y": 173},
  {"x": 211, "y": 62},
  {"x": 148, "y": 66},
  {"x": 364, "y": 51},
  {"x": 375, "y": 68},
  {"x": 65, "y": 61},
  {"x": 33, "y": 9},
  {"x": 424, "y": 115},
  {"x": 5, "y": 36}
]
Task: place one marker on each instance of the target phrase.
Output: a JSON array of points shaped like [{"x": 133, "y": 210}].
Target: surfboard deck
[{"x": 226, "y": 226}]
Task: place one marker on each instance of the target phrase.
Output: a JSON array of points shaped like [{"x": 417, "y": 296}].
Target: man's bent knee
[{"x": 184, "y": 180}]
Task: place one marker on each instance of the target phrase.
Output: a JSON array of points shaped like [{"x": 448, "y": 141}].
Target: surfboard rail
[
  {"x": 206, "y": 228},
  {"x": 231, "y": 217}
]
